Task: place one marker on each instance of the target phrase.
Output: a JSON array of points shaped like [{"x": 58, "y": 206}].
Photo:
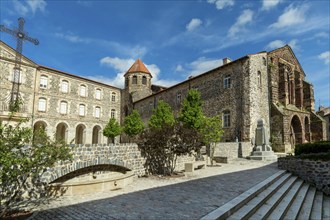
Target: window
[
  {"x": 178, "y": 97},
  {"x": 43, "y": 82},
  {"x": 83, "y": 90},
  {"x": 113, "y": 97},
  {"x": 144, "y": 80},
  {"x": 81, "y": 110},
  {"x": 113, "y": 113},
  {"x": 42, "y": 105},
  {"x": 226, "y": 119},
  {"x": 97, "y": 112},
  {"x": 65, "y": 86},
  {"x": 134, "y": 80},
  {"x": 98, "y": 94},
  {"x": 259, "y": 78},
  {"x": 63, "y": 107},
  {"x": 227, "y": 82},
  {"x": 17, "y": 76},
  {"x": 264, "y": 61},
  {"x": 126, "y": 81}
]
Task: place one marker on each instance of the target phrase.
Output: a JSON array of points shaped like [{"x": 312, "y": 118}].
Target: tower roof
[{"x": 138, "y": 67}]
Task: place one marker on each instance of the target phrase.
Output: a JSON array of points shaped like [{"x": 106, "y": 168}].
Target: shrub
[{"x": 316, "y": 147}]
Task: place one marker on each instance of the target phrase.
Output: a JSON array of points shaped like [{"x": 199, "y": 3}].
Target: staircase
[{"x": 281, "y": 196}]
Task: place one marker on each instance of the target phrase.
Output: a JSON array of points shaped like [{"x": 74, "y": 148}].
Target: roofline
[
  {"x": 2, "y": 42},
  {"x": 288, "y": 46},
  {"x": 72, "y": 75},
  {"x": 193, "y": 78}
]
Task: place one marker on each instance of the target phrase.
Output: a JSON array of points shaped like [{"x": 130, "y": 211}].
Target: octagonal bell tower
[{"x": 138, "y": 81}]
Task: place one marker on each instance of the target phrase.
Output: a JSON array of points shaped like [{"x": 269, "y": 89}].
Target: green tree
[
  {"x": 25, "y": 155},
  {"x": 191, "y": 114},
  {"x": 133, "y": 125},
  {"x": 112, "y": 129},
  {"x": 211, "y": 132},
  {"x": 162, "y": 116}
]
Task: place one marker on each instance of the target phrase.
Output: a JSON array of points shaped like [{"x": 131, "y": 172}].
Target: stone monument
[{"x": 262, "y": 149}]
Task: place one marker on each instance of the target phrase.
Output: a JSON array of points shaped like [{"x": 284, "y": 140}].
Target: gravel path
[{"x": 189, "y": 197}]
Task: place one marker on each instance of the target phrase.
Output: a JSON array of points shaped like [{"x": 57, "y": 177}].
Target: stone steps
[{"x": 281, "y": 196}]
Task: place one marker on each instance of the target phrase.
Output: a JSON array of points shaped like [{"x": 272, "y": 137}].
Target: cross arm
[
  {"x": 7, "y": 30},
  {"x": 35, "y": 41}
]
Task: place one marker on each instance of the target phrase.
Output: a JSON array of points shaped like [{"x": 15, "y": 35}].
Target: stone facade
[
  {"x": 325, "y": 114},
  {"x": 266, "y": 85},
  {"x": 69, "y": 107},
  {"x": 233, "y": 150},
  {"x": 314, "y": 172}
]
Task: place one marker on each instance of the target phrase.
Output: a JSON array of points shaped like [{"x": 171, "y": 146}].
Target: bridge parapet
[{"x": 121, "y": 155}]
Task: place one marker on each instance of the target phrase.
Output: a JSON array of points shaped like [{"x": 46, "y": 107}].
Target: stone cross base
[{"x": 263, "y": 153}]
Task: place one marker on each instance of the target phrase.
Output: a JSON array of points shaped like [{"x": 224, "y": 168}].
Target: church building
[{"x": 265, "y": 85}]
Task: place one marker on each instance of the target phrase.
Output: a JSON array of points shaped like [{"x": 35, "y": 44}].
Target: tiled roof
[{"x": 138, "y": 67}]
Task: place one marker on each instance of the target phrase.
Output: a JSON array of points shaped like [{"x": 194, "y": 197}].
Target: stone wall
[
  {"x": 122, "y": 155},
  {"x": 233, "y": 150},
  {"x": 314, "y": 172}
]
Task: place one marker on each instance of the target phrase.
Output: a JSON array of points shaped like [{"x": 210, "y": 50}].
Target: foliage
[
  {"x": 112, "y": 129},
  {"x": 318, "y": 156},
  {"x": 162, "y": 116},
  {"x": 133, "y": 125},
  {"x": 211, "y": 132},
  {"x": 316, "y": 147},
  {"x": 162, "y": 146},
  {"x": 191, "y": 112},
  {"x": 24, "y": 157}
]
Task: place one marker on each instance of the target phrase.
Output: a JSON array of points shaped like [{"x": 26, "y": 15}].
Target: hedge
[{"x": 312, "y": 148}]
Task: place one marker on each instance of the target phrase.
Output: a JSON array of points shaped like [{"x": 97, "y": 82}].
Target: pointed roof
[{"x": 138, "y": 67}]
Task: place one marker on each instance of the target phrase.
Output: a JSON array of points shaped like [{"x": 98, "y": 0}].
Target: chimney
[{"x": 225, "y": 60}]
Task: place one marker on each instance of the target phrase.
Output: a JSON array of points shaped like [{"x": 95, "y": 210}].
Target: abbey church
[{"x": 265, "y": 85}]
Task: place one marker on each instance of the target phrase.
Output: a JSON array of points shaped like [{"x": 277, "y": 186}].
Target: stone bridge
[{"x": 93, "y": 158}]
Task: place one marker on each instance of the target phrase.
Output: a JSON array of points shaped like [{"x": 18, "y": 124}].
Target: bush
[
  {"x": 319, "y": 156},
  {"x": 309, "y": 148}
]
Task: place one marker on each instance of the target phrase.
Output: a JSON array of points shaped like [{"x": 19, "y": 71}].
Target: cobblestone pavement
[{"x": 189, "y": 197}]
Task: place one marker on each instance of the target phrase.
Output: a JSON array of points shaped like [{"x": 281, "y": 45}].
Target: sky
[{"x": 100, "y": 40}]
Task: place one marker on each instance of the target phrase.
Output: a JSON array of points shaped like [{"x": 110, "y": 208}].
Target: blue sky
[{"x": 175, "y": 39}]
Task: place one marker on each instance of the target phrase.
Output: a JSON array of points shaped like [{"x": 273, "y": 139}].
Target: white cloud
[
  {"x": 122, "y": 65},
  {"x": 23, "y": 8},
  {"x": 202, "y": 65},
  {"x": 221, "y": 4},
  {"x": 244, "y": 19},
  {"x": 72, "y": 38},
  {"x": 37, "y": 4},
  {"x": 84, "y": 3},
  {"x": 193, "y": 24},
  {"x": 7, "y": 22},
  {"x": 179, "y": 68},
  {"x": 268, "y": 4},
  {"x": 291, "y": 16},
  {"x": 325, "y": 56},
  {"x": 279, "y": 43}
]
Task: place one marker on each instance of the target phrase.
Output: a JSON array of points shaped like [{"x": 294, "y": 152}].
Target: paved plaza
[{"x": 189, "y": 197}]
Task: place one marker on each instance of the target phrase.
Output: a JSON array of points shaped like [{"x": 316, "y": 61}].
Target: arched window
[
  {"x": 64, "y": 86},
  {"x": 63, "y": 107},
  {"x": 43, "y": 82},
  {"x": 144, "y": 80},
  {"x": 134, "y": 81},
  {"x": 126, "y": 81},
  {"x": 113, "y": 113},
  {"x": 98, "y": 94},
  {"x": 227, "y": 82},
  {"x": 83, "y": 91},
  {"x": 42, "y": 104},
  {"x": 97, "y": 112},
  {"x": 226, "y": 119},
  {"x": 113, "y": 97},
  {"x": 81, "y": 110}
]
